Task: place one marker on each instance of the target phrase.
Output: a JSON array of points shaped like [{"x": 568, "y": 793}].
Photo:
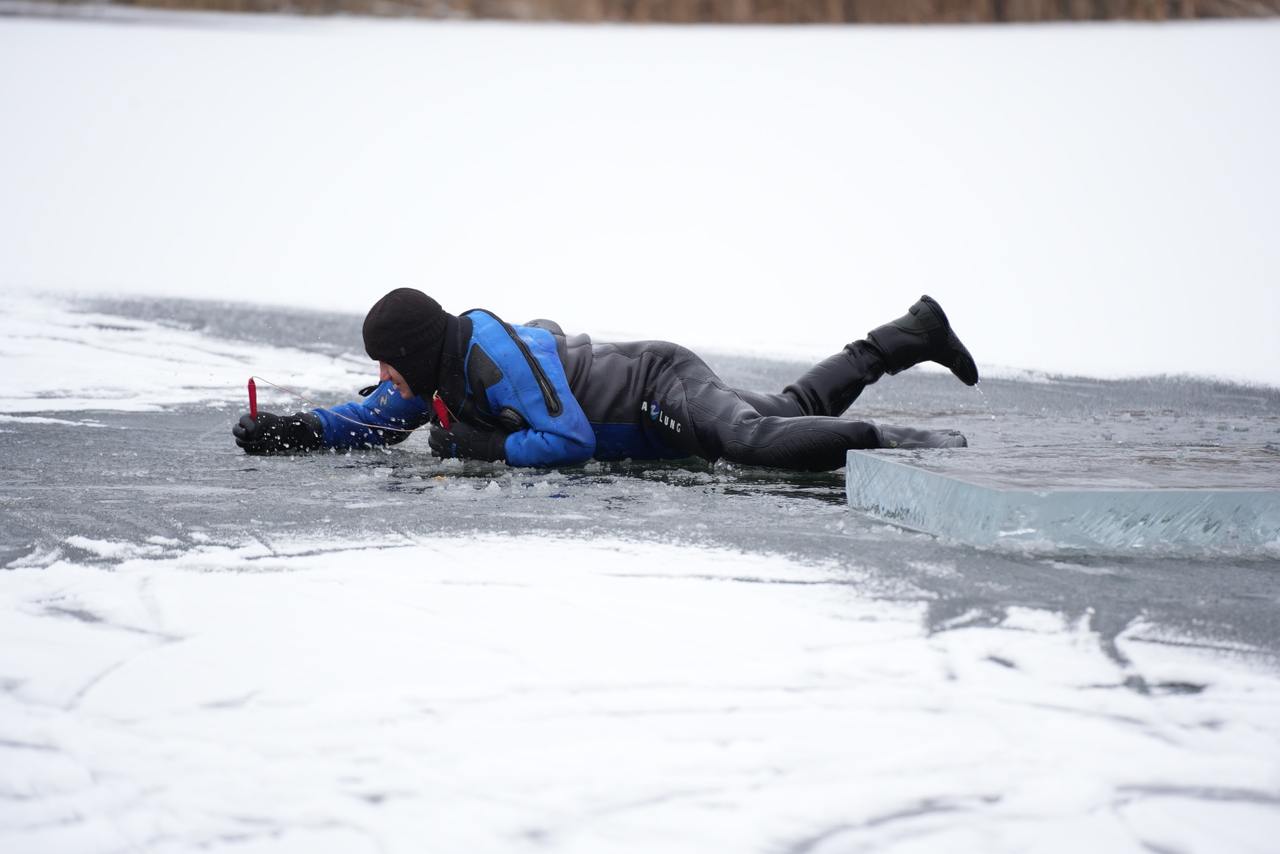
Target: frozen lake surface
[{"x": 380, "y": 651}]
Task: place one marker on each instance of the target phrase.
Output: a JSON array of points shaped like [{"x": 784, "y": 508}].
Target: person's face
[{"x": 386, "y": 372}]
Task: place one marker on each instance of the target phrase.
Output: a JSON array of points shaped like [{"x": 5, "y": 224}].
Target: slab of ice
[{"x": 1160, "y": 499}]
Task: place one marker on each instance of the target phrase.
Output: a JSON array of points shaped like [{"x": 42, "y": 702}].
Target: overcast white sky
[{"x": 1095, "y": 199}]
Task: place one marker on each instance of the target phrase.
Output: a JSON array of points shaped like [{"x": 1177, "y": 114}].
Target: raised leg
[
  {"x": 796, "y": 429},
  {"x": 828, "y": 388},
  {"x": 728, "y": 426}
]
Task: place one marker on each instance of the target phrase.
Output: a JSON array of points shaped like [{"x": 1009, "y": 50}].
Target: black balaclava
[{"x": 406, "y": 330}]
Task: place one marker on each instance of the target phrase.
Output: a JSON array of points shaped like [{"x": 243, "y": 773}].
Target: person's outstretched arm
[{"x": 383, "y": 417}]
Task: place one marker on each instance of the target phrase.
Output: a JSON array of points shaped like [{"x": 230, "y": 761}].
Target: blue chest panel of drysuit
[{"x": 533, "y": 384}]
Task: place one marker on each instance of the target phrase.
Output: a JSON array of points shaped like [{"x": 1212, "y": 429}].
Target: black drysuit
[{"x": 650, "y": 399}]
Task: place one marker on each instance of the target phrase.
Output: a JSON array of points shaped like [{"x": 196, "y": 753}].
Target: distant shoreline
[{"x": 682, "y": 11}]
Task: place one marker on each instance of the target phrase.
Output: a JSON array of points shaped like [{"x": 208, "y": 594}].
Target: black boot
[
  {"x": 923, "y": 335},
  {"x": 909, "y": 437}
]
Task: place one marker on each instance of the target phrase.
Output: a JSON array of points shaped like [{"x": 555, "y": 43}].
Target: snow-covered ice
[
  {"x": 57, "y": 358},
  {"x": 510, "y": 694}
]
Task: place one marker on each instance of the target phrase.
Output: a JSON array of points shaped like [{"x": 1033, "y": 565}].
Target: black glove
[
  {"x": 275, "y": 434},
  {"x": 463, "y": 440}
]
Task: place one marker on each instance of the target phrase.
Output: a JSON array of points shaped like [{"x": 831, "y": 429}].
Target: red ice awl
[
  {"x": 253, "y": 400},
  {"x": 442, "y": 411}
]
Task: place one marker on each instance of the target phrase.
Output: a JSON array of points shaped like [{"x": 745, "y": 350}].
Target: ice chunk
[{"x": 1166, "y": 500}]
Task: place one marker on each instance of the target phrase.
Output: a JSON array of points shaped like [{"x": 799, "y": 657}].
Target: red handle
[
  {"x": 253, "y": 399},
  {"x": 442, "y": 411}
]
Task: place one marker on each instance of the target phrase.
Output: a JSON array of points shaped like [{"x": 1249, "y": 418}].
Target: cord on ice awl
[{"x": 253, "y": 405}]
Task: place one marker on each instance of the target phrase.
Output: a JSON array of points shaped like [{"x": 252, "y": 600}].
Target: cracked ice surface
[{"x": 532, "y": 693}]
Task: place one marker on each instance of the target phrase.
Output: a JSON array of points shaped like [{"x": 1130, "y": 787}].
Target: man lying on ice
[{"x": 533, "y": 396}]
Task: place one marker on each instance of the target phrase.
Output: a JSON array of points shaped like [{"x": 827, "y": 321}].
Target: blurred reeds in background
[{"x": 740, "y": 11}]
